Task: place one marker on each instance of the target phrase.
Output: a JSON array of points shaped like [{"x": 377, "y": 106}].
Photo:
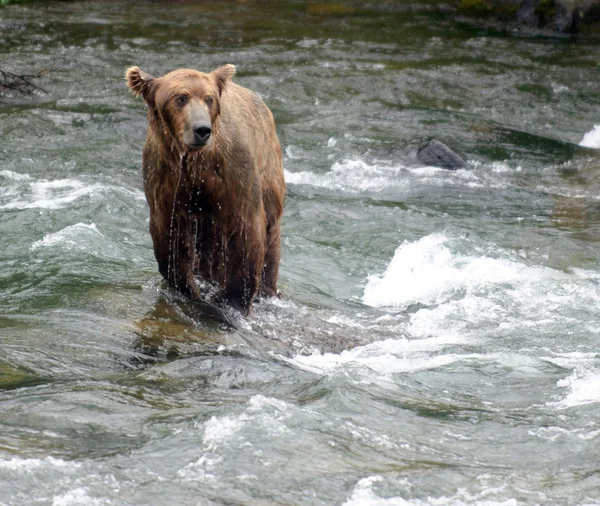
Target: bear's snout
[{"x": 201, "y": 134}]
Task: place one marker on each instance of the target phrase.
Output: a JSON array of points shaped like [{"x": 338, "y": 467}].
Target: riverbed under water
[{"x": 438, "y": 339}]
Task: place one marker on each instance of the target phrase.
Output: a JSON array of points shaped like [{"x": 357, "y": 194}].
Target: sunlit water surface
[{"x": 438, "y": 339}]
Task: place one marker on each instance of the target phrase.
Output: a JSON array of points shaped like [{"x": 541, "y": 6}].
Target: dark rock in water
[
  {"x": 565, "y": 19},
  {"x": 527, "y": 14},
  {"x": 562, "y": 16},
  {"x": 437, "y": 154}
]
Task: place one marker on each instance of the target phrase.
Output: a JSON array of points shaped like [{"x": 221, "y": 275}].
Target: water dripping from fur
[{"x": 171, "y": 268}]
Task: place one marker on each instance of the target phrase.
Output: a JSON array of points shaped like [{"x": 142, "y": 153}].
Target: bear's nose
[{"x": 201, "y": 134}]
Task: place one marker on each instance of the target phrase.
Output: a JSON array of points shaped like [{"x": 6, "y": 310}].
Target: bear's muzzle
[{"x": 201, "y": 135}]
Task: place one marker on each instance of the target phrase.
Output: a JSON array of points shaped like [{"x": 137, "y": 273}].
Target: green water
[{"x": 437, "y": 343}]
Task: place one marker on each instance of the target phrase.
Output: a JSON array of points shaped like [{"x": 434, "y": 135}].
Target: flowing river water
[{"x": 438, "y": 339}]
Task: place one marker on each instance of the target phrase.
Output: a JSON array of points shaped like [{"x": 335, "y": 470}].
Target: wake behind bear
[{"x": 213, "y": 179}]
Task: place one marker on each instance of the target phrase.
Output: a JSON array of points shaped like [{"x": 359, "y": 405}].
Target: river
[{"x": 438, "y": 339}]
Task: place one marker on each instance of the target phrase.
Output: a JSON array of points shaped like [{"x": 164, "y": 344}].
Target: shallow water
[{"x": 438, "y": 341}]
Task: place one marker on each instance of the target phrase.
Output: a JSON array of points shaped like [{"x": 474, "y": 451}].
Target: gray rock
[
  {"x": 562, "y": 16},
  {"x": 437, "y": 154},
  {"x": 527, "y": 14}
]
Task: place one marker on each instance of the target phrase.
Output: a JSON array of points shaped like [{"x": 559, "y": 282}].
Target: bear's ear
[
  {"x": 223, "y": 75},
  {"x": 139, "y": 82}
]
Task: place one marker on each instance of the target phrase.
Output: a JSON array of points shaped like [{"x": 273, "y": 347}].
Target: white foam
[
  {"x": 549, "y": 433},
  {"x": 73, "y": 237},
  {"x": 217, "y": 430},
  {"x": 18, "y": 464},
  {"x": 265, "y": 411},
  {"x": 364, "y": 495},
  {"x": 28, "y": 193},
  {"x": 262, "y": 414},
  {"x": 428, "y": 272},
  {"x": 592, "y": 138},
  {"x": 504, "y": 167},
  {"x": 53, "y": 194},
  {"x": 9, "y": 174},
  {"x": 384, "y": 357},
  {"x": 375, "y": 438},
  {"x": 77, "y": 497},
  {"x": 357, "y": 176},
  {"x": 583, "y": 387},
  {"x": 583, "y": 384},
  {"x": 471, "y": 289},
  {"x": 350, "y": 175}
]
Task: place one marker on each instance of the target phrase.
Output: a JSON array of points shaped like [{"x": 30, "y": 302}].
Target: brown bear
[{"x": 213, "y": 179}]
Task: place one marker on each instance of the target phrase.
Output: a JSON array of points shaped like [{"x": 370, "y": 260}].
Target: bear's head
[{"x": 185, "y": 102}]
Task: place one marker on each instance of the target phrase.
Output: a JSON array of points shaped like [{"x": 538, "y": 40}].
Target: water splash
[
  {"x": 73, "y": 237},
  {"x": 592, "y": 138}
]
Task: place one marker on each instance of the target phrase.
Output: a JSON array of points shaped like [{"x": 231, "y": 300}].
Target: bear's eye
[
  {"x": 209, "y": 101},
  {"x": 182, "y": 100}
]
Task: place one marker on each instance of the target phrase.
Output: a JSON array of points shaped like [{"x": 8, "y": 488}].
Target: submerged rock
[
  {"x": 526, "y": 15},
  {"x": 437, "y": 154},
  {"x": 563, "y": 16}
]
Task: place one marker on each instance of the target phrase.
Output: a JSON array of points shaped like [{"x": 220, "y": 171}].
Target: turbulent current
[{"x": 438, "y": 339}]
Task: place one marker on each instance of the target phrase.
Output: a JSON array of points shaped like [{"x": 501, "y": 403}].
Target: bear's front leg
[
  {"x": 182, "y": 258},
  {"x": 242, "y": 285},
  {"x": 174, "y": 250},
  {"x": 245, "y": 266}
]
